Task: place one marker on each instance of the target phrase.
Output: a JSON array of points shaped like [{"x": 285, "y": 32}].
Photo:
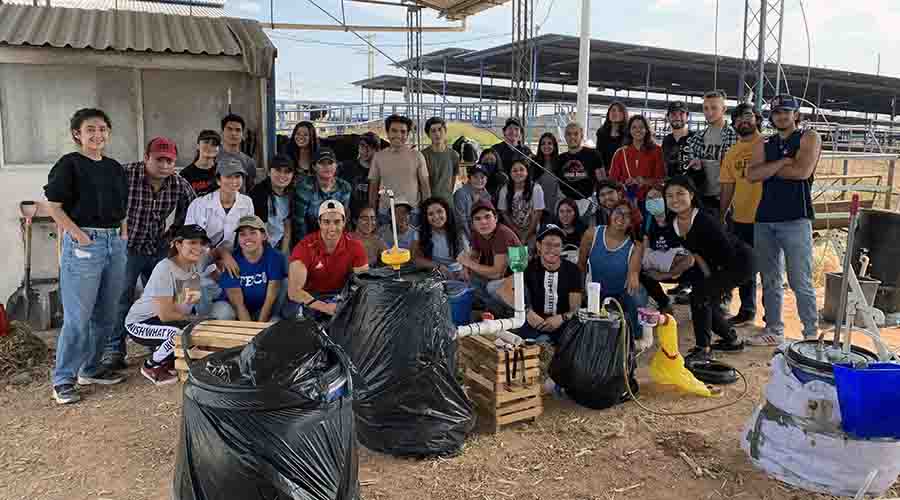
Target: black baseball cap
[
  {"x": 190, "y": 232},
  {"x": 784, "y": 102},
  {"x": 282, "y": 162},
  {"x": 550, "y": 230},
  {"x": 512, "y": 121},
  {"x": 677, "y": 106},
  {"x": 479, "y": 169},
  {"x": 483, "y": 205},
  {"x": 326, "y": 154}
]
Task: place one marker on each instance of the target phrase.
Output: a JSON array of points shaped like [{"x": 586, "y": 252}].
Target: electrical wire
[{"x": 626, "y": 348}]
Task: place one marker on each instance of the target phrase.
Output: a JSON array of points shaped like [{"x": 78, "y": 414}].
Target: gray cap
[{"x": 229, "y": 165}]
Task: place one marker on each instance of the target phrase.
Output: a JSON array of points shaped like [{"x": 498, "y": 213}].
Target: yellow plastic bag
[{"x": 667, "y": 365}]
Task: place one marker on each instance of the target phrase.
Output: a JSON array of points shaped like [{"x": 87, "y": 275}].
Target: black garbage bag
[
  {"x": 588, "y": 363},
  {"x": 270, "y": 421},
  {"x": 401, "y": 340}
]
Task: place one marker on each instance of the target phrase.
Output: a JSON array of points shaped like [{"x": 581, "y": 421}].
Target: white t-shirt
[
  {"x": 166, "y": 280},
  {"x": 207, "y": 212},
  {"x": 521, "y": 210}
]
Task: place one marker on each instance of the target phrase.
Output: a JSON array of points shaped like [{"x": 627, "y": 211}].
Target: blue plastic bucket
[
  {"x": 870, "y": 401},
  {"x": 460, "y": 296}
]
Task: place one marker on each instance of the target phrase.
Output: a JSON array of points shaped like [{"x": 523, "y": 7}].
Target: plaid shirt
[
  {"x": 148, "y": 211},
  {"x": 695, "y": 143},
  {"x": 308, "y": 196}
]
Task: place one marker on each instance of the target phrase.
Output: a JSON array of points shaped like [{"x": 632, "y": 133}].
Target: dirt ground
[{"x": 118, "y": 444}]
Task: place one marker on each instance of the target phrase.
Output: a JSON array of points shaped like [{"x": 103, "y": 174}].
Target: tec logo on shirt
[{"x": 254, "y": 279}]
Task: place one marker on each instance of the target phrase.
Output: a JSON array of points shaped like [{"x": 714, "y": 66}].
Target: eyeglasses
[{"x": 745, "y": 116}]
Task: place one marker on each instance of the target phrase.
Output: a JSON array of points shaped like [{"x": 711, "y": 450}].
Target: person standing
[
  {"x": 232, "y": 135},
  {"x": 580, "y": 168},
  {"x": 87, "y": 197},
  {"x": 201, "y": 174},
  {"x": 638, "y": 165},
  {"x": 398, "y": 168},
  {"x": 303, "y": 148},
  {"x": 154, "y": 193},
  {"x": 465, "y": 198},
  {"x": 521, "y": 203},
  {"x": 742, "y": 196},
  {"x": 272, "y": 202},
  {"x": 512, "y": 147},
  {"x": 675, "y": 145},
  {"x": 612, "y": 135},
  {"x": 356, "y": 172},
  {"x": 442, "y": 162},
  {"x": 785, "y": 165},
  {"x": 709, "y": 147},
  {"x": 548, "y": 158},
  {"x": 312, "y": 190}
]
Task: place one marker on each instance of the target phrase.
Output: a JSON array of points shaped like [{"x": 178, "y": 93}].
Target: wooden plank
[
  {"x": 516, "y": 417},
  {"x": 224, "y": 340},
  {"x": 846, "y": 177},
  {"x": 473, "y": 376},
  {"x": 244, "y": 324},
  {"x": 500, "y": 378},
  {"x": 237, "y": 330},
  {"x": 505, "y": 396},
  {"x": 532, "y": 402}
]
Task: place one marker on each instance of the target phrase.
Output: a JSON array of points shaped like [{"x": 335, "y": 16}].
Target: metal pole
[
  {"x": 742, "y": 79},
  {"x": 481, "y": 81},
  {"x": 584, "y": 60},
  {"x": 778, "y": 63},
  {"x": 761, "y": 59},
  {"x": 647, "y": 89},
  {"x": 716, "y": 50}
]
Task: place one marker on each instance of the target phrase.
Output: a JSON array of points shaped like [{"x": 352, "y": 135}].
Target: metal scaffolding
[
  {"x": 763, "y": 27},
  {"x": 414, "y": 75},
  {"x": 523, "y": 60}
]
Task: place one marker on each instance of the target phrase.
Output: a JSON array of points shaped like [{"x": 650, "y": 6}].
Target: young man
[
  {"x": 580, "y": 175},
  {"x": 398, "y": 168},
  {"x": 553, "y": 289},
  {"x": 676, "y": 151},
  {"x": 512, "y": 146},
  {"x": 709, "y": 147},
  {"x": 232, "y": 134},
  {"x": 312, "y": 190},
  {"x": 785, "y": 164},
  {"x": 356, "y": 172},
  {"x": 202, "y": 173},
  {"x": 741, "y": 195},
  {"x": 154, "y": 193},
  {"x": 609, "y": 192},
  {"x": 442, "y": 161},
  {"x": 321, "y": 264},
  {"x": 485, "y": 262},
  {"x": 272, "y": 202},
  {"x": 406, "y": 234},
  {"x": 252, "y": 295},
  {"x": 468, "y": 195}
]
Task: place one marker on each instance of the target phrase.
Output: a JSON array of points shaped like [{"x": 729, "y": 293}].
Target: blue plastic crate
[
  {"x": 461, "y": 297},
  {"x": 869, "y": 399}
]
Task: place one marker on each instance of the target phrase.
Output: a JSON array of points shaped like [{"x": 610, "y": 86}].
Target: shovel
[{"x": 24, "y": 303}]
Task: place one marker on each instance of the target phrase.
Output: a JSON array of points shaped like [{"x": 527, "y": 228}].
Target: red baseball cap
[{"x": 163, "y": 146}]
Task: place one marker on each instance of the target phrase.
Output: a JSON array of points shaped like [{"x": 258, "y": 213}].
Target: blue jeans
[
  {"x": 486, "y": 291},
  {"x": 293, "y": 309},
  {"x": 91, "y": 287},
  {"x": 793, "y": 240},
  {"x": 529, "y": 332},
  {"x": 138, "y": 266}
]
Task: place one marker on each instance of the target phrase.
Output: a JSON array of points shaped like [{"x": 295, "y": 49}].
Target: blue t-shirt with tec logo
[{"x": 254, "y": 277}]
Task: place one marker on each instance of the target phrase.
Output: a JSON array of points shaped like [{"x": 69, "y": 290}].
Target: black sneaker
[
  {"x": 103, "y": 377},
  {"x": 729, "y": 345},
  {"x": 741, "y": 318},
  {"x": 697, "y": 355},
  {"x": 66, "y": 394},
  {"x": 114, "y": 362}
]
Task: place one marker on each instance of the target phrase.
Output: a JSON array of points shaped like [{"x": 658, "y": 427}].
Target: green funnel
[{"x": 518, "y": 258}]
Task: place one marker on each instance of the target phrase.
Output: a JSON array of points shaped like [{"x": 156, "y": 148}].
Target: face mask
[{"x": 656, "y": 206}]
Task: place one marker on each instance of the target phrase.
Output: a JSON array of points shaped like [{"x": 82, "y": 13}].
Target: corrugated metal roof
[
  {"x": 176, "y": 9},
  {"x": 138, "y": 31}
]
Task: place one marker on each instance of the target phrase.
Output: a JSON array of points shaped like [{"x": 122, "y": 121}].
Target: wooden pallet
[
  {"x": 214, "y": 336},
  {"x": 498, "y": 400}
]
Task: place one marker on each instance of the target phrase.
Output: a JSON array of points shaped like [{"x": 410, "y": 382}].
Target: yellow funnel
[
  {"x": 395, "y": 257},
  {"x": 667, "y": 365}
]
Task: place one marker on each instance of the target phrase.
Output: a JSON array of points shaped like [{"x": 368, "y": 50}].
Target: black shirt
[
  {"x": 662, "y": 238},
  {"x": 547, "y": 292},
  {"x": 607, "y": 145},
  {"x": 582, "y": 180},
  {"x": 358, "y": 177},
  {"x": 508, "y": 155},
  {"x": 708, "y": 239},
  {"x": 203, "y": 180},
  {"x": 676, "y": 154},
  {"x": 92, "y": 193}
]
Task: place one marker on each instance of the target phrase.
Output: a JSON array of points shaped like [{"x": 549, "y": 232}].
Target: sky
[{"x": 319, "y": 65}]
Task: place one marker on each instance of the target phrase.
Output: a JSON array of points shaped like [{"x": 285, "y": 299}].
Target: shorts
[{"x": 661, "y": 261}]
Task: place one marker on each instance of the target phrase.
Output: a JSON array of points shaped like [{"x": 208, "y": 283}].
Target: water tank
[{"x": 879, "y": 231}]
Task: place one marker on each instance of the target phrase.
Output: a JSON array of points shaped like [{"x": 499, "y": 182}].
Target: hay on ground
[{"x": 20, "y": 350}]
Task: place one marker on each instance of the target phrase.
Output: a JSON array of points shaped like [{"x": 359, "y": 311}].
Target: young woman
[
  {"x": 303, "y": 148},
  {"x": 496, "y": 175},
  {"x": 665, "y": 258},
  {"x": 548, "y": 157},
  {"x": 612, "y": 134},
  {"x": 720, "y": 265},
  {"x": 201, "y": 174},
  {"x": 367, "y": 233},
  {"x": 568, "y": 219},
  {"x": 169, "y": 303},
  {"x": 611, "y": 255},
  {"x": 521, "y": 202},
  {"x": 440, "y": 242},
  {"x": 87, "y": 196},
  {"x": 254, "y": 294},
  {"x": 639, "y": 164}
]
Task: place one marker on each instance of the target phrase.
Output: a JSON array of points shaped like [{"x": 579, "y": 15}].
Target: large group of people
[{"x": 211, "y": 241}]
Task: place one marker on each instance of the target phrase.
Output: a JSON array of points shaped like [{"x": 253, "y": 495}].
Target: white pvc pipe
[
  {"x": 584, "y": 58},
  {"x": 495, "y": 326}
]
